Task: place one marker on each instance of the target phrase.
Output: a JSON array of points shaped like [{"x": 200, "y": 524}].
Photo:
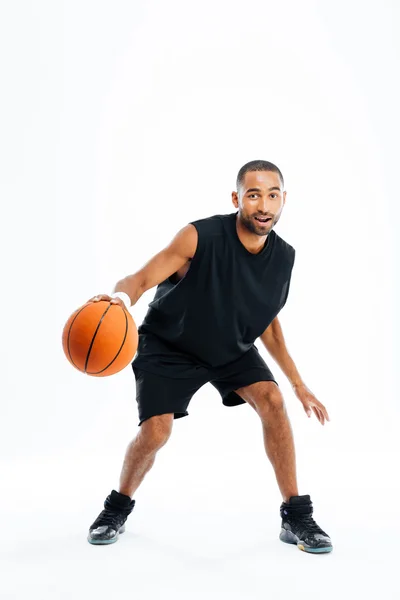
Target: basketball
[{"x": 100, "y": 338}]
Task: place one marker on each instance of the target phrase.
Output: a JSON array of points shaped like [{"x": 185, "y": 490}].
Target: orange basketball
[{"x": 100, "y": 338}]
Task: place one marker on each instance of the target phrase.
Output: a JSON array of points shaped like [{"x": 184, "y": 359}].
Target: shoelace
[
  {"x": 109, "y": 517},
  {"x": 310, "y": 525}
]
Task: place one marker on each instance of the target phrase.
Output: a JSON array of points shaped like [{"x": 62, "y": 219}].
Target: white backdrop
[{"x": 121, "y": 123}]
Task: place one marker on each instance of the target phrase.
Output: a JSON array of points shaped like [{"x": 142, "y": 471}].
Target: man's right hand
[{"x": 108, "y": 299}]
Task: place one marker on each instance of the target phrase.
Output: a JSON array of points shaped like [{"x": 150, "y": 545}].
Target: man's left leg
[
  {"x": 267, "y": 400},
  {"x": 298, "y": 526}
]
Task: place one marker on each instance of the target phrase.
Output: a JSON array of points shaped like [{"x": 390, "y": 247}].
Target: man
[{"x": 221, "y": 284}]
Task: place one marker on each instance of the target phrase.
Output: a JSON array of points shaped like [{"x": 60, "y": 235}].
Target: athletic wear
[
  {"x": 299, "y": 527},
  {"x": 158, "y": 394},
  {"x": 202, "y": 328},
  {"x": 225, "y": 301},
  {"x": 111, "y": 521}
]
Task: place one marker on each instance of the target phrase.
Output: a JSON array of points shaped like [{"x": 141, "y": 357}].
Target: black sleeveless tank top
[{"x": 227, "y": 298}]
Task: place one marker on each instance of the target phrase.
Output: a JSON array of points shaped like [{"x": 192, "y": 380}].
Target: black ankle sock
[
  {"x": 296, "y": 506},
  {"x": 295, "y": 500},
  {"x": 119, "y": 500}
]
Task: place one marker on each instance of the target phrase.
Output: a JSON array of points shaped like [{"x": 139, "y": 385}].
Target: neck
[{"x": 251, "y": 241}]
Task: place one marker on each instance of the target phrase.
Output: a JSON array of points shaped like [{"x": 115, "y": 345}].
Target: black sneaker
[
  {"x": 298, "y": 526},
  {"x": 111, "y": 521}
]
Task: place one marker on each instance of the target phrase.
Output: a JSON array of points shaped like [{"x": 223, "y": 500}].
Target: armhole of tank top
[
  {"x": 290, "y": 278},
  {"x": 195, "y": 256},
  {"x": 193, "y": 260}
]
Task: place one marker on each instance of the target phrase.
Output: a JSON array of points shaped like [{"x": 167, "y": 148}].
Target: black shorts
[{"x": 166, "y": 380}]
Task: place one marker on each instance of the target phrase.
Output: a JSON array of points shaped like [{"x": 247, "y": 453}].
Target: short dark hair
[{"x": 257, "y": 165}]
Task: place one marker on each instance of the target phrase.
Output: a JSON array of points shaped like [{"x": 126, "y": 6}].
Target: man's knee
[
  {"x": 264, "y": 397},
  {"x": 270, "y": 399},
  {"x": 156, "y": 430}
]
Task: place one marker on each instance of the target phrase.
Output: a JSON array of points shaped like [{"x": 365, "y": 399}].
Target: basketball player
[{"x": 221, "y": 284}]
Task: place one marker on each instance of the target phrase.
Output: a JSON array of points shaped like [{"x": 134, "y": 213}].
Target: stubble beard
[{"x": 252, "y": 226}]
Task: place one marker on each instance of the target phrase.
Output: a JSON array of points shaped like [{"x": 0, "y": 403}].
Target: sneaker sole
[
  {"x": 104, "y": 542},
  {"x": 290, "y": 538}
]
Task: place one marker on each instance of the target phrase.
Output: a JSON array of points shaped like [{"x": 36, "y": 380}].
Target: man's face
[{"x": 260, "y": 196}]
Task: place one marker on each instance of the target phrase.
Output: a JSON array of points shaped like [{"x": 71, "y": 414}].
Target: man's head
[{"x": 260, "y": 194}]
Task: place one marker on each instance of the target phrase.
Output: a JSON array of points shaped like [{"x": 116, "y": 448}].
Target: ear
[
  {"x": 235, "y": 200},
  {"x": 284, "y": 198}
]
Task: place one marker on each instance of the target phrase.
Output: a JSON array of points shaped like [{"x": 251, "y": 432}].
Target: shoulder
[
  {"x": 213, "y": 225},
  {"x": 286, "y": 249}
]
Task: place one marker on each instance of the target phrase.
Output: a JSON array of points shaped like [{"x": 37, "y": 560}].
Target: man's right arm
[{"x": 157, "y": 269}]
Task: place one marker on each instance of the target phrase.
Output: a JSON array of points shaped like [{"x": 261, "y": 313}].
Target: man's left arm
[{"x": 274, "y": 342}]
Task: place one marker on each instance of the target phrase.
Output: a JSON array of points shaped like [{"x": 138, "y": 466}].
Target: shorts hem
[{"x": 178, "y": 414}]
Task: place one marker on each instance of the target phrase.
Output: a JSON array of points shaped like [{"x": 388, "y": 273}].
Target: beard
[{"x": 251, "y": 224}]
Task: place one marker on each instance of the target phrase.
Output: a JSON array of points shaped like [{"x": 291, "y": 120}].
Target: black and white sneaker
[
  {"x": 111, "y": 521},
  {"x": 299, "y": 527}
]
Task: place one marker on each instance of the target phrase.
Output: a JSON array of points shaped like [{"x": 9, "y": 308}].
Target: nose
[{"x": 263, "y": 205}]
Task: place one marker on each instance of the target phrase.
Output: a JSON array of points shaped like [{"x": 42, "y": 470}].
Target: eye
[{"x": 252, "y": 195}]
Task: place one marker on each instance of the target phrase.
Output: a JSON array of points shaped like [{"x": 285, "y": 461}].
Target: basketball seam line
[
  {"x": 119, "y": 351},
  {"x": 94, "y": 335}
]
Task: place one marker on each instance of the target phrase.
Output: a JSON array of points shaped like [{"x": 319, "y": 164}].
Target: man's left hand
[{"x": 310, "y": 402}]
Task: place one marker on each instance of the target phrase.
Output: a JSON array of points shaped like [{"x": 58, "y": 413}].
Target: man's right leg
[
  {"x": 164, "y": 398},
  {"x": 139, "y": 458},
  {"x": 141, "y": 452}
]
